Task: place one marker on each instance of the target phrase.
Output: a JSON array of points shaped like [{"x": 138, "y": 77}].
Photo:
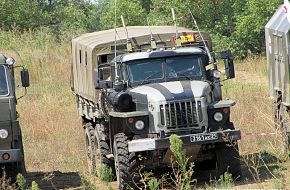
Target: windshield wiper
[
  {"x": 148, "y": 77},
  {"x": 182, "y": 74}
]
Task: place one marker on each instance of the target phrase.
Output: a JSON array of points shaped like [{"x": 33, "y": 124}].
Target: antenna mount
[
  {"x": 129, "y": 43},
  {"x": 177, "y": 39},
  {"x": 152, "y": 41}
]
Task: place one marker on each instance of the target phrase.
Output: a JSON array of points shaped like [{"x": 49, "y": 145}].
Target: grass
[
  {"x": 53, "y": 137},
  {"x": 225, "y": 181},
  {"x": 105, "y": 173},
  {"x": 182, "y": 174}
]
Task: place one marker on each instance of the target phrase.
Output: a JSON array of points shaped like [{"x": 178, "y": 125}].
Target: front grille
[{"x": 179, "y": 115}]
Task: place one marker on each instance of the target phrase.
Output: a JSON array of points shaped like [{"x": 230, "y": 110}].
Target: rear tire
[
  {"x": 13, "y": 169},
  {"x": 90, "y": 147},
  {"x": 228, "y": 159},
  {"x": 125, "y": 163},
  {"x": 102, "y": 151}
]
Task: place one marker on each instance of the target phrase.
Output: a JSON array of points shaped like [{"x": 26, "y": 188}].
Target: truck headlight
[
  {"x": 218, "y": 116},
  {"x": 139, "y": 125},
  {"x": 3, "y": 133},
  {"x": 216, "y": 74},
  {"x": 10, "y": 61}
]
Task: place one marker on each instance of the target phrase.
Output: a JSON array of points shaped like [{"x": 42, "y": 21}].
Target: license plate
[{"x": 203, "y": 137}]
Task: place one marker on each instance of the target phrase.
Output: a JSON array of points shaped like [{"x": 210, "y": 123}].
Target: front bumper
[
  {"x": 148, "y": 144},
  {"x": 15, "y": 155}
]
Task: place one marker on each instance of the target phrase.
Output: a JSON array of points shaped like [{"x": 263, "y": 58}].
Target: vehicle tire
[
  {"x": 13, "y": 169},
  {"x": 228, "y": 159},
  {"x": 102, "y": 151},
  {"x": 90, "y": 147},
  {"x": 126, "y": 164}
]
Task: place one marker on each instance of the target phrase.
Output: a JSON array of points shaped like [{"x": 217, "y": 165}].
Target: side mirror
[
  {"x": 229, "y": 63},
  {"x": 25, "y": 78},
  {"x": 100, "y": 82}
]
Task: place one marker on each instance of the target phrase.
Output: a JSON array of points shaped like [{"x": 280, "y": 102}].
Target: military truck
[
  {"x": 11, "y": 146},
  {"x": 136, "y": 86},
  {"x": 278, "y": 59}
]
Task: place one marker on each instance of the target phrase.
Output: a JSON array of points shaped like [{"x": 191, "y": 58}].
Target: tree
[
  {"x": 249, "y": 30},
  {"x": 132, "y": 11},
  {"x": 22, "y": 14}
]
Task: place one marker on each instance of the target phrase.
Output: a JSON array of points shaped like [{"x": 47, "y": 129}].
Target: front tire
[
  {"x": 13, "y": 169},
  {"x": 228, "y": 159},
  {"x": 126, "y": 163},
  {"x": 102, "y": 151}
]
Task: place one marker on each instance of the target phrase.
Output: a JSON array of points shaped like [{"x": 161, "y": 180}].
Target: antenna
[
  {"x": 177, "y": 40},
  {"x": 129, "y": 44},
  {"x": 153, "y": 42},
  {"x": 205, "y": 45},
  {"x": 117, "y": 77}
]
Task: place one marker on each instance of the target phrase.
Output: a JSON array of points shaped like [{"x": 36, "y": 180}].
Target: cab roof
[{"x": 160, "y": 54}]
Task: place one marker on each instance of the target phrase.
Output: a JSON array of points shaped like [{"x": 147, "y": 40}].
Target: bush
[
  {"x": 105, "y": 173},
  {"x": 225, "y": 181},
  {"x": 183, "y": 174}
]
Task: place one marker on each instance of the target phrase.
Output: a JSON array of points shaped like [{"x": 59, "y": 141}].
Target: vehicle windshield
[
  {"x": 3, "y": 82},
  {"x": 170, "y": 68}
]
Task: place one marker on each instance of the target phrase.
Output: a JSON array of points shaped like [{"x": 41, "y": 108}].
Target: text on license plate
[{"x": 203, "y": 137}]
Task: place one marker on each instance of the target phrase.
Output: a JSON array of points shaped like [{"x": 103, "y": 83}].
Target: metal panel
[{"x": 277, "y": 49}]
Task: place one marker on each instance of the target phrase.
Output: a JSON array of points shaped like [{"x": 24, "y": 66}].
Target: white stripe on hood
[{"x": 153, "y": 95}]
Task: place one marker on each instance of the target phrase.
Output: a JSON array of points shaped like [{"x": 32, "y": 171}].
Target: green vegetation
[
  {"x": 34, "y": 186},
  {"x": 21, "y": 181},
  {"x": 105, "y": 173},
  {"x": 225, "y": 181},
  {"x": 183, "y": 173},
  {"x": 153, "y": 184},
  {"x": 234, "y": 24},
  {"x": 279, "y": 178}
]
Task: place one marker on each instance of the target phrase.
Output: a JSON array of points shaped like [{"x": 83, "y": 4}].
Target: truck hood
[
  {"x": 169, "y": 91},
  {"x": 5, "y": 111}
]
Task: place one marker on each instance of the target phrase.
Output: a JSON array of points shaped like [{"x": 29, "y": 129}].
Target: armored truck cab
[
  {"x": 11, "y": 147},
  {"x": 277, "y": 32},
  {"x": 133, "y": 93}
]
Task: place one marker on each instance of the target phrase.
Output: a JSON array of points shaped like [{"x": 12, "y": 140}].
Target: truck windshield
[
  {"x": 172, "y": 68},
  {"x": 3, "y": 82}
]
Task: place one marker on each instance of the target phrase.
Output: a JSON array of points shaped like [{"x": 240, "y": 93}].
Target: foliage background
[{"x": 234, "y": 24}]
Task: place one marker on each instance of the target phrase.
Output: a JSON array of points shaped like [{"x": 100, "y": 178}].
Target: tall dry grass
[
  {"x": 261, "y": 145},
  {"x": 253, "y": 113},
  {"x": 53, "y": 137}
]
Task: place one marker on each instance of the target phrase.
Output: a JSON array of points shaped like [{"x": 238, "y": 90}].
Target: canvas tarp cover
[{"x": 87, "y": 47}]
